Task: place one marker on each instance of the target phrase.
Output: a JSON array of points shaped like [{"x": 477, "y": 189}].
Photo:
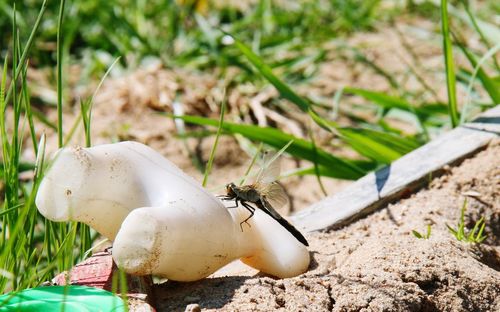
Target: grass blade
[
  {"x": 417, "y": 234},
  {"x": 452, "y": 231},
  {"x": 476, "y": 27},
  {"x": 381, "y": 99},
  {"x": 379, "y": 146},
  {"x": 284, "y": 90},
  {"x": 389, "y": 102},
  {"x": 491, "y": 87},
  {"x": 86, "y": 112},
  {"x": 214, "y": 147},
  {"x": 60, "y": 134},
  {"x": 472, "y": 233},
  {"x": 360, "y": 57},
  {"x": 3, "y": 106},
  {"x": 450, "y": 68},
  {"x": 27, "y": 48},
  {"x": 328, "y": 171},
  {"x": 27, "y": 109},
  {"x": 479, "y": 237},
  {"x": 316, "y": 167},
  {"x": 344, "y": 168}
]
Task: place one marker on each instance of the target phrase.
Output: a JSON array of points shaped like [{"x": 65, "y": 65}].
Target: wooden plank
[
  {"x": 488, "y": 121},
  {"x": 403, "y": 176}
]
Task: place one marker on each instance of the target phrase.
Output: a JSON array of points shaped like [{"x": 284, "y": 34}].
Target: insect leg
[
  {"x": 235, "y": 203},
  {"x": 228, "y": 198},
  {"x": 252, "y": 211}
]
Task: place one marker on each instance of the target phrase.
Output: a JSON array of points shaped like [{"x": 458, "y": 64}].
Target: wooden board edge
[{"x": 339, "y": 210}]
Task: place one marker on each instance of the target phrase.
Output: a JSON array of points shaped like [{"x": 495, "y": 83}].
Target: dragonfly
[{"x": 265, "y": 193}]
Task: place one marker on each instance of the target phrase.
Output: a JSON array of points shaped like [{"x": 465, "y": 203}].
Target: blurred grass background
[{"x": 343, "y": 133}]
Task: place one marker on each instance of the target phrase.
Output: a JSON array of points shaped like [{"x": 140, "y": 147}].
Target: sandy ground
[{"x": 376, "y": 264}]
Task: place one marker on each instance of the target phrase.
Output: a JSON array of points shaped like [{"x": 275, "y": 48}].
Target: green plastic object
[{"x": 62, "y": 298}]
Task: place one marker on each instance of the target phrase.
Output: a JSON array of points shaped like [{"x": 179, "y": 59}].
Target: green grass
[
  {"x": 18, "y": 217},
  {"x": 475, "y": 235},
  {"x": 60, "y": 133},
  {"x": 144, "y": 28},
  {"x": 419, "y": 235},
  {"x": 336, "y": 166},
  {"x": 449, "y": 65},
  {"x": 32, "y": 249},
  {"x": 208, "y": 169}
]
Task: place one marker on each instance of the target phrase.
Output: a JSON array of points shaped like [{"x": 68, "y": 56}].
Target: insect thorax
[{"x": 251, "y": 194}]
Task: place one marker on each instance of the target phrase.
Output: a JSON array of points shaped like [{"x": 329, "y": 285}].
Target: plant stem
[
  {"x": 60, "y": 134},
  {"x": 450, "y": 70}
]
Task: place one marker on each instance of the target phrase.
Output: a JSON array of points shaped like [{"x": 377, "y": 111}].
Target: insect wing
[
  {"x": 265, "y": 183},
  {"x": 270, "y": 169},
  {"x": 274, "y": 194}
]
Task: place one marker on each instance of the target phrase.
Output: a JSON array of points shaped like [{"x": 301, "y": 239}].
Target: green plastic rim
[{"x": 62, "y": 298}]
